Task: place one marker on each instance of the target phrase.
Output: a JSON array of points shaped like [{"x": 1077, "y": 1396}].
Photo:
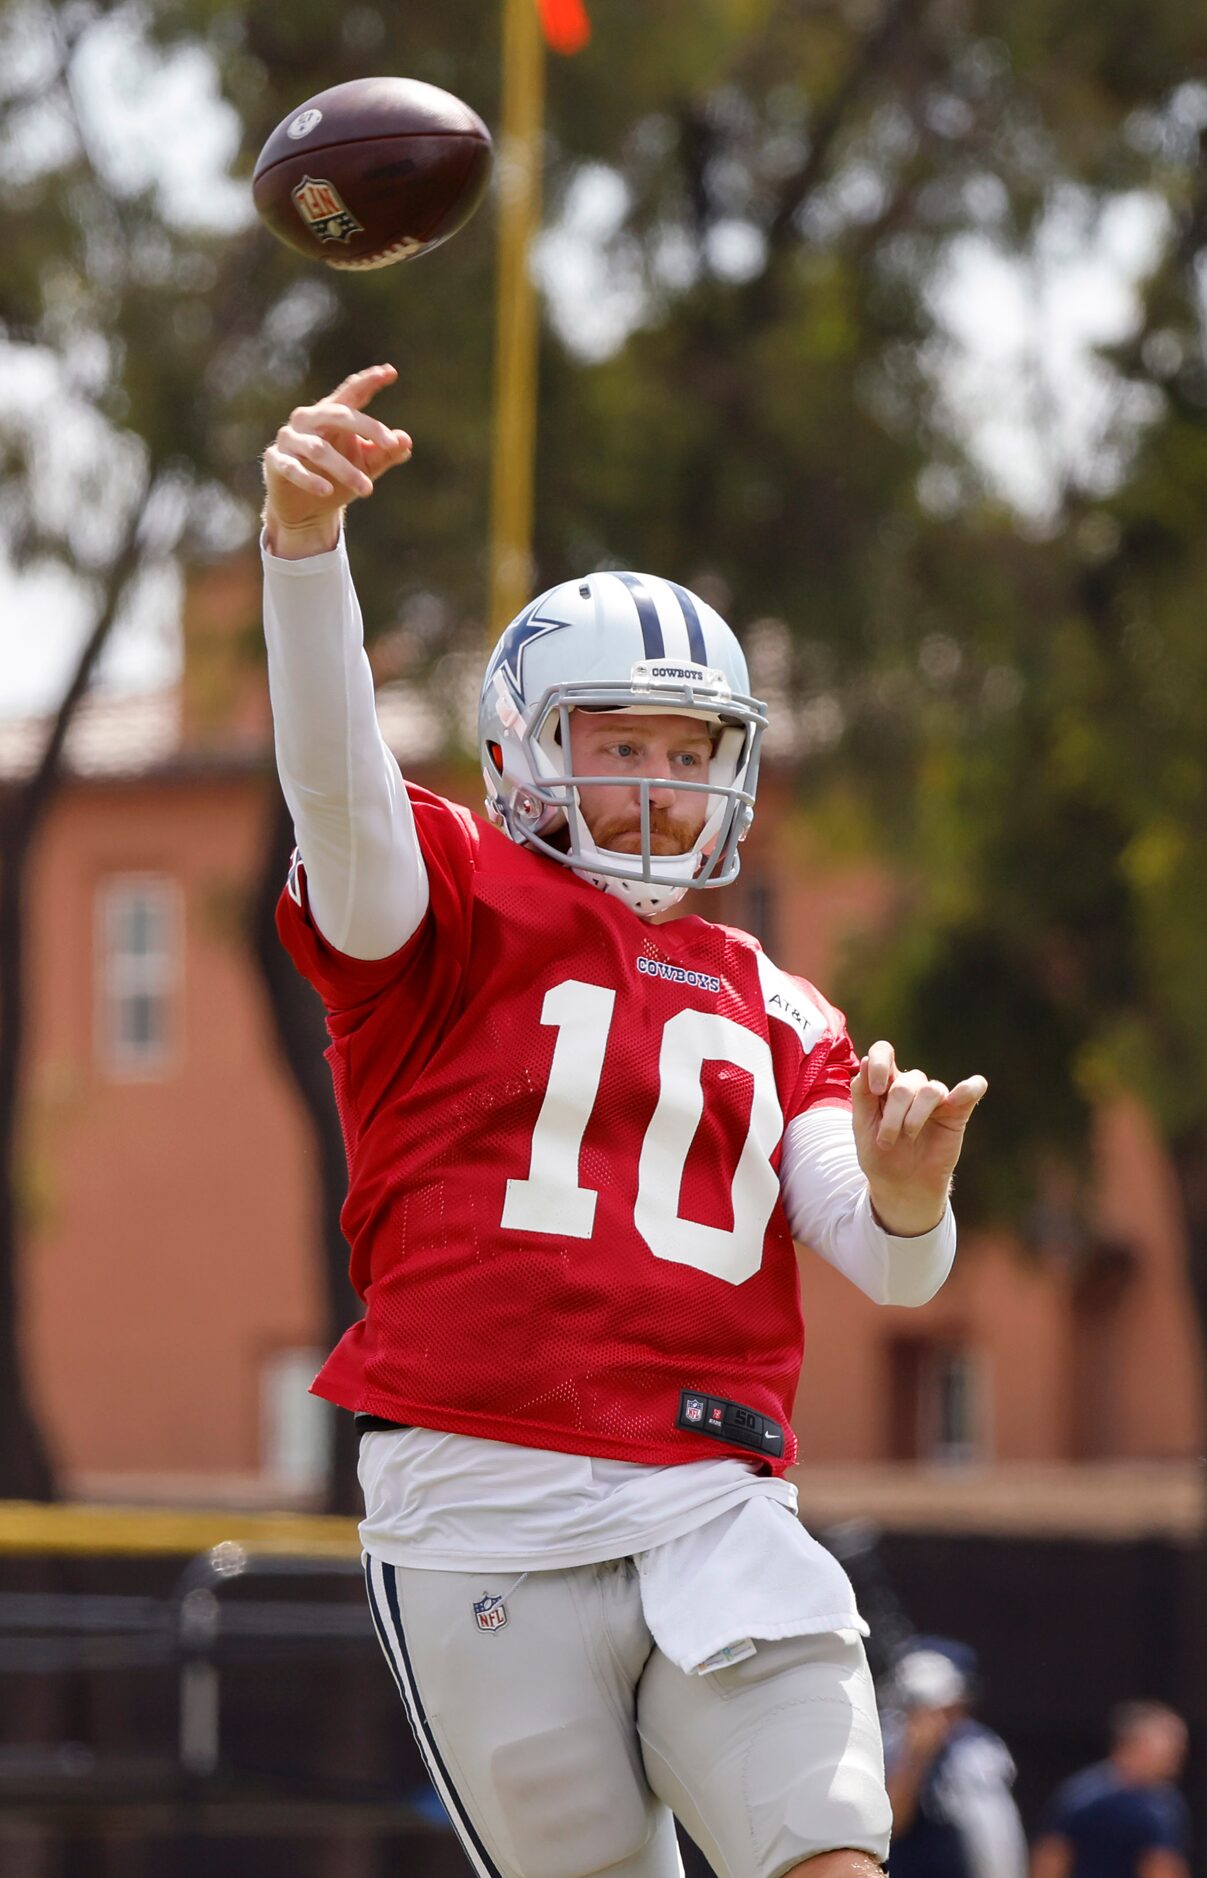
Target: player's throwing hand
[
  {"x": 327, "y": 455},
  {"x": 909, "y": 1129}
]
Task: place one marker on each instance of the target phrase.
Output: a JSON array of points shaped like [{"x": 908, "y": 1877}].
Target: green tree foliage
[
  {"x": 1059, "y": 919},
  {"x": 166, "y": 336}
]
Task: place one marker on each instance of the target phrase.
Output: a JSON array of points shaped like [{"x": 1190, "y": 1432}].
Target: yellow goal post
[{"x": 61, "y": 1529}]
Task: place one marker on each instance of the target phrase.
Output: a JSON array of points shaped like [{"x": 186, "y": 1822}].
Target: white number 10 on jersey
[{"x": 551, "y": 1200}]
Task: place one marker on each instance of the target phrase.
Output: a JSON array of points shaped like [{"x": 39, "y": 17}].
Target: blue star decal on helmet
[{"x": 509, "y": 653}]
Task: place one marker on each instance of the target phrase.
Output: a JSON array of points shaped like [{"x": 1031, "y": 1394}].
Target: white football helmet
[{"x": 618, "y": 642}]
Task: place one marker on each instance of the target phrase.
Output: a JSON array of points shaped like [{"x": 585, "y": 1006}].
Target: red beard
[{"x": 668, "y": 835}]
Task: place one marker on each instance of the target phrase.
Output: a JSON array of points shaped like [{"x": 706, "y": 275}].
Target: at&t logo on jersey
[
  {"x": 786, "y": 1000},
  {"x": 490, "y": 1612}
]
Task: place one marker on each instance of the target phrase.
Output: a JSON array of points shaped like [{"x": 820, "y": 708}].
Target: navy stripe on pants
[{"x": 387, "y": 1621}]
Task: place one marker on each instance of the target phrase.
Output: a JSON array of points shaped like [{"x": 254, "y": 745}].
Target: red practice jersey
[{"x": 563, "y": 1129}]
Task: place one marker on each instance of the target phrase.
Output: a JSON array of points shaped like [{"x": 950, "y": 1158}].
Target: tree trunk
[
  {"x": 301, "y": 1034},
  {"x": 26, "y": 1470},
  {"x": 1189, "y": 1154}
]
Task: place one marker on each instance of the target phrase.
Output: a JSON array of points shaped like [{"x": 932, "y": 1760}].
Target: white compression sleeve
[
  {"x": 995, "y": 1845},
  {"x": 828, "y": 1206},
  {"x": 352, "y": 817},
  {"x": 974, "y": 1792}
]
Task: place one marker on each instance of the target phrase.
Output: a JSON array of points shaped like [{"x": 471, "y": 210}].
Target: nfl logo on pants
[{"x": 490, "y": 1613}]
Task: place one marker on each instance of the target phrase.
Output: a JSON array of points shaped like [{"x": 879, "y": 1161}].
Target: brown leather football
[{"x": 372, "y": 172}]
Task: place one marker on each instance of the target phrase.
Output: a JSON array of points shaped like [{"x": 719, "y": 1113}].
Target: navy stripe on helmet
[
  {"x": 647, "y": 613},
  {"x": 695, "y": 631}
]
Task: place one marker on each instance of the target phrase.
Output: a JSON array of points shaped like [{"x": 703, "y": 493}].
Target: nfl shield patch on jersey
[{"x": 490, "y": 1612}]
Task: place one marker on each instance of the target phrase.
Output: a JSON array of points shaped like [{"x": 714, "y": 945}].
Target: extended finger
[
  {"x": 881, "y": 1062},
  {"x": 357, "y": 389},
  {"x": 897, "y": 1104},
  {"x": 964, "y": 1097},
  {"x": 863, "y": 1102},
  {"x": 324, "y": 457}
]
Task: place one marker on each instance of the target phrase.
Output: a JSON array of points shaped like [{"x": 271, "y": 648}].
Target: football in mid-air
[{"x": 372, "y": 172}]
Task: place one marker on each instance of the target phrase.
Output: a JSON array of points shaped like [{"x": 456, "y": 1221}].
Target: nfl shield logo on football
[
  {"x": 693, "y": 1409},
  {"x": 321, "y": 207},
  {"x": 490, "y": 1613}
]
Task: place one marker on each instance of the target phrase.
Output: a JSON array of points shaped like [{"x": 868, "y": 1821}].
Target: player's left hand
[{"x": 909, "y": 1130}]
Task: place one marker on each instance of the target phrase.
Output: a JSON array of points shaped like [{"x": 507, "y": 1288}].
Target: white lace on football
[{"x": 397, "y": 251}]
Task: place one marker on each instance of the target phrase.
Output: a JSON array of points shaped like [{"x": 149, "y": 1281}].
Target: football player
[{"x": 581, "y": 1142}]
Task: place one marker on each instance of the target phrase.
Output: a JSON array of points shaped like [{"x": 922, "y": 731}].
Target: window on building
[
  {"x": 140, "y": 934},
  {"x": 297, "y": 1429},
  {"x": 759, "y": 909},
  {"x": 938, "y": 1402},
  {"x": 953, "y": 1419}
]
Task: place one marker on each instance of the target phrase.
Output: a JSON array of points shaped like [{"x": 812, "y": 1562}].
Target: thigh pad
[{"x": 772, "y": 1760}]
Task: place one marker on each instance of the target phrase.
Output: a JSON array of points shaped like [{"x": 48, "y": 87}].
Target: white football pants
[{"x": 561, "y": 1740}]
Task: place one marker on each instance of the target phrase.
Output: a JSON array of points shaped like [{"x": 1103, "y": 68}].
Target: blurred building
[{"x": 172, "y": 1294}]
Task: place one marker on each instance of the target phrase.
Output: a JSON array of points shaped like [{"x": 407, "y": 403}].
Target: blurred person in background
[
  {"x": 1123, "y": 1817},
  {"x": 949, "y": 1776}
]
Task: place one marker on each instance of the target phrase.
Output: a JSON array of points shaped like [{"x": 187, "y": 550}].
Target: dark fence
[{"x": 223, "y": 1715}]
